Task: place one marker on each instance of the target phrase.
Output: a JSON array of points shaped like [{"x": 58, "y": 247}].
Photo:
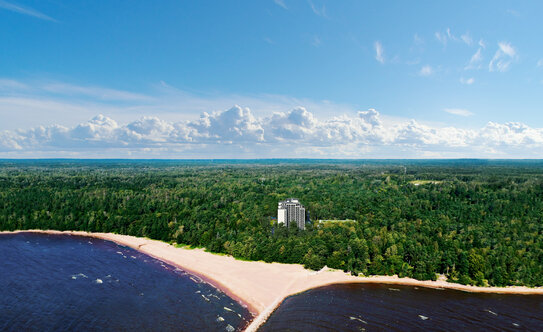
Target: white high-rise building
[{"x": 290, "y": 210}]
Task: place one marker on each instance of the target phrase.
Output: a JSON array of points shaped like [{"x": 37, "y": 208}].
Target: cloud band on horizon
[{"x": 236, "y": 132}]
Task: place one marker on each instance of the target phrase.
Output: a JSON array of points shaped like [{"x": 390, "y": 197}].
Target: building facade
[{"x": 291, "y": 211}]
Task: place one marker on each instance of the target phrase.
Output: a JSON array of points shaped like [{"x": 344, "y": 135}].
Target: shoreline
[{"x": 261, "y": 287}]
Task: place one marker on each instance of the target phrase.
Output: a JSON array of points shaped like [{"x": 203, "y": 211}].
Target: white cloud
[
  {"x": 280, "y": 3},
  {"x": 445, "y": 37},
  {"x": 450, "y": 35},
  {"x": 426, "y": 70},
  {"x": 24, "y": 10},
  {"x": 12, "y": 85},
  {"x": 475, "y": 60},
  {"x": 467, "y": 81},
  {"x": 458, "y": 111},
  {"x": 442, "y": 38},
  {"x": 466, "y": 38},
  {"x": 503, "y": 57},
  {"x": 379, "y": 52},
  {"x": 319, "y": 11},
  {"x": 316, "y": 41},
  {"x": 236, "y": 124},
  {"x": 507, "y": 49},
  {"x": 93, "y": 92},
  {"x": 237, "y": 133}
]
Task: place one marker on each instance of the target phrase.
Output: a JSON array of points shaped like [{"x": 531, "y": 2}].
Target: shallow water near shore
[
  {"x": 67, "y": 283},
  {"x": 371, "y": 307}
]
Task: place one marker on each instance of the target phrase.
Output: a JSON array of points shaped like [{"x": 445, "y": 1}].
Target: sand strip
[{"x": 262, "y": 286}]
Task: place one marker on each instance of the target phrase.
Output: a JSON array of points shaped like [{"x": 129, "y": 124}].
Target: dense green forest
[{"x": 477, "y": 222}]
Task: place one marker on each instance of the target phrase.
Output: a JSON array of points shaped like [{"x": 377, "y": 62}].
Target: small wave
[
  {"x": 394, "y": 289},
  {"x": 491, "y": 312},
  {"x": 75, "y": 276},
  {"x": 358, "y": 319},
  {"x": 423, "y": 317},
  {"x": 220, "y": 319},
  {"x": 98, "y": 281},
  {"x": 133, "y": 257},
  {"x": 228, "y": 309},
  {"x": 230, "y": 328},
  {"x": 516, "y": 325},
  {"x": 205, "y": 298}
]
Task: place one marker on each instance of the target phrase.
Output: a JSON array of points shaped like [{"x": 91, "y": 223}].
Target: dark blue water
[
  {"x": 365, "y": 307},
  {"x": 71, "y": 283}
]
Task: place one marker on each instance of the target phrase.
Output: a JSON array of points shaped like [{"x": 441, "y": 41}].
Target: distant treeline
[{"x": 478, "y": 222}]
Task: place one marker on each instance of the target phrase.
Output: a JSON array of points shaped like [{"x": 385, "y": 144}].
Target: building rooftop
[{"x": 291, "y": 200}]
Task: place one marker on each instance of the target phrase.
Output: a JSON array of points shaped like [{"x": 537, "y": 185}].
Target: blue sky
[{"x": 340, "y": 79}]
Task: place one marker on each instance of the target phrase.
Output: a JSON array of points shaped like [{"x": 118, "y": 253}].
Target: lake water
[
  {"x": 72, "y": 283},
  {"x": 366, "y": 307}
]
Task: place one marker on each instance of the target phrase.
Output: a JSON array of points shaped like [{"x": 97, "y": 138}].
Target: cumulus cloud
[
  {"x": 236, "y": 133},
  {"x": 236, "y": 124},
  {"x": 503, "y": 57},
  {"x": 379, "y": 52}
]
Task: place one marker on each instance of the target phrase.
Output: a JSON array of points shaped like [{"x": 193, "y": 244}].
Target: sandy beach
[{"x": 263, "y": 286}]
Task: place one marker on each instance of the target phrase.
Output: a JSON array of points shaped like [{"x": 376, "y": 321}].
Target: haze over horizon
[{"x": 270, "y": 79}]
